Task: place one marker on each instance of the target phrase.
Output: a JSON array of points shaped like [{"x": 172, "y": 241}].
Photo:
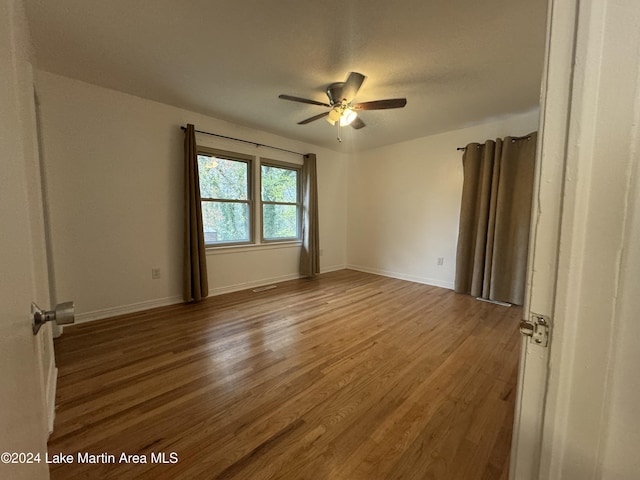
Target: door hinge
[{"x": 537, "y": 328}]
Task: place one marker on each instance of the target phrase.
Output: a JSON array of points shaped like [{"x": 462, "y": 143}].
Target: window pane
[
  {"x": 279, "y": 221},
  {"x": 225, "y": 222},
  {"x": 222, "y": 178},
  {"x": 279, "y": 184}
]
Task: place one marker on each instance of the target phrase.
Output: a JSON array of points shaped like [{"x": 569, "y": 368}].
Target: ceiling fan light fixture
[
  {"x": 348, "y": 116},
  {"x": 334, "y": 116}
]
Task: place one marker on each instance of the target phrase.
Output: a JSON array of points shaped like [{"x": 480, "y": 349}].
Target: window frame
[
  {"x": 249, "y": 161},
  {"x": 267, "y": 162}
]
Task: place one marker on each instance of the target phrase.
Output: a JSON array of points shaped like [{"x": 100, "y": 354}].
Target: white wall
[
  {"x": 404, "y": 202},
  {"x": 620, "y": 456},
  {"x": 114, "y": 187}
]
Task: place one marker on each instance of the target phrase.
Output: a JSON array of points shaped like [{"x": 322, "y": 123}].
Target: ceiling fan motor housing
[{"x": 334, "y": 92}]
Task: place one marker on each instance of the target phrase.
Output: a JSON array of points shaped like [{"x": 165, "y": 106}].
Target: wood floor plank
[{"x": 345, "y": 376}]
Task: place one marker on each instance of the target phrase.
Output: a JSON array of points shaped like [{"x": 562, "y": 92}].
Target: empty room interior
[{"x": 296, "y": 237}]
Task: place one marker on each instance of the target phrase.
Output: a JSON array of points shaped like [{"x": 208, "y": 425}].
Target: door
[
  {"x": 555, "y": 105},
  {"x": 26, "y": 361},
  {"x": 581, "y": 421}
]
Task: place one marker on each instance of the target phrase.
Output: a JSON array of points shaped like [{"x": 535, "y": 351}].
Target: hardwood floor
[{"x": 347, "y": 376}]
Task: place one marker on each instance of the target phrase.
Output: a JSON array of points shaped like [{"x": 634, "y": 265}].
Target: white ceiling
[{"x": 458, "y": 62}]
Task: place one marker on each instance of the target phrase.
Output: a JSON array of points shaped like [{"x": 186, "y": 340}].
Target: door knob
[{"x": 63, "y": 314}]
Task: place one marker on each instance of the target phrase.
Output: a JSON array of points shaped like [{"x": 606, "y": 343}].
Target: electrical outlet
[
  {"x": 440, "y": 261},
  {"x": 155, "y": 273}
]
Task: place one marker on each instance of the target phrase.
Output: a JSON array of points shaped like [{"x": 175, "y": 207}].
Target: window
[
  {"x": 280, "y": 195},
  {"x": 225, "y": 189},
  {"x": 229, "y": 214}
]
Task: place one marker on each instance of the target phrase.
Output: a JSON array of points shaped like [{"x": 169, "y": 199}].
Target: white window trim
[{"x": 227, "y": 249}]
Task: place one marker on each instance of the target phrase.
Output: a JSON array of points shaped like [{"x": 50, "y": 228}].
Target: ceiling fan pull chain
[{"x": 339, "y": 132}]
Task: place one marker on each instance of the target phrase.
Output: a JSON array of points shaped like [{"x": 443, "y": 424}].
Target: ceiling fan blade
[
  {"x": 358, "y": 123},
  {"x": 381, "y": 104},
  {"x": 352, "y": 85},
  {"x": 312, "y": 119},
  {"x": 303, "y": 100}
]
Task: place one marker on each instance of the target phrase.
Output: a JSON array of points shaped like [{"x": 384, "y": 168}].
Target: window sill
[{"x": 211, "y": 250}]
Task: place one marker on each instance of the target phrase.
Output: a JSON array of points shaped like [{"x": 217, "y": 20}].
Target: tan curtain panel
[
  {"x": 196, "y": 286},
  {"x": 310, "y": 252},
  {"x": 495, "y": 219}
]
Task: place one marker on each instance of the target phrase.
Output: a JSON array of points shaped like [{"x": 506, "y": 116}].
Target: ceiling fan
[{"x": 342, "y": 109}]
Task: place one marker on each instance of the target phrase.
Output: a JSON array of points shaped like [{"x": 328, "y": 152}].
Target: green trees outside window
[
  {"x": 280, "y": 202},
  {"x": 227, "y": 208},
  {"x": 224, "y": 188}
]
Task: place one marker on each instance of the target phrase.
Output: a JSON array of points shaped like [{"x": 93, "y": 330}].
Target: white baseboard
[
  {"x": 247, "y": 285},
  {"x": 163, "y": 302},
  {"x": 266, "y": 281},
  {"x": 52, "y": 384},
  {"x": 401, "y": 276},
  {"x": 333, "y": 268},
  {"x": 122, "y": 310}
]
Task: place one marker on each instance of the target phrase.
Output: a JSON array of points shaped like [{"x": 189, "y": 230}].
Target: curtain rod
[
  {"x": 183, "y": 128},
  {"x": 513, "y": 139}
]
